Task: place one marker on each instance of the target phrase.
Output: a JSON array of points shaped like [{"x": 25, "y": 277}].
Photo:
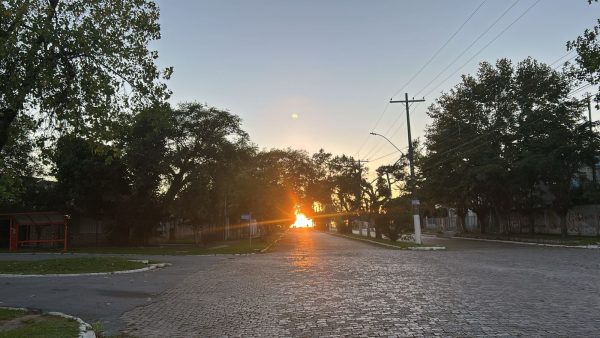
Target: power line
[
  {"x": 374, "y": 126},
  {"x": 580, "y": 89},
  {"x": 560, "y": 58},
  {"x": 470, "y": 46},
  {"x": 377, "y": 147},
  {"x": 477, "y": 138},
  {"x": 484, "y": 47},
  {"x": 422, "y": 68},
  {"x": 441, "y": 48},
  {"x": 384, "y": 156},
  {"x": 569, "y": 59}
]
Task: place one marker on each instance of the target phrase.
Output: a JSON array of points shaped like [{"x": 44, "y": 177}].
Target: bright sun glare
[{"x": 302, "y": 222}]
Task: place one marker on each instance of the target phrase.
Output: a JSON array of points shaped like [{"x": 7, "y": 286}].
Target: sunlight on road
[
  {"x": 302, "y": 222},
  {"x": 303, "y": 258}
]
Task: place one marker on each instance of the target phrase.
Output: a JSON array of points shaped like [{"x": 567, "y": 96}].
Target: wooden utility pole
[{"x": 415, "y": 201}]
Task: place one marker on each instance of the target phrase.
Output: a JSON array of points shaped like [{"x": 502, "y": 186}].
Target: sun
[
  {"x": 295, "y": 116},
  {"x": 302, "y": 222}
]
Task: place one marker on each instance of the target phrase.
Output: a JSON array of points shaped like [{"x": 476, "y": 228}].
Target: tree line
[{"x": 86, "y": 128}]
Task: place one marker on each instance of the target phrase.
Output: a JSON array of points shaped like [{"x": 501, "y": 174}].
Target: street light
[
  {"x": 387, "y": 139},
  {"x": 414, "y": 202}
]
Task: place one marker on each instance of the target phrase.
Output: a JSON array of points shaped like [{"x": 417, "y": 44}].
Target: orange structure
[{"x": 20, "y": 228}]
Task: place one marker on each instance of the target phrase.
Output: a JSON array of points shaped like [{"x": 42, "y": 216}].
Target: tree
[
  {"x": 69, "y": 63},
  {"x": 587, "y": 47},
  {"x": 501, "y": 140},
  {"x": 91, "y": 177},
  {"x": 144, "y": 143},
  {"x": 200, "y": 133},
  {"x": 466, "y": 163},
  {"x": 17, "y": 163}
]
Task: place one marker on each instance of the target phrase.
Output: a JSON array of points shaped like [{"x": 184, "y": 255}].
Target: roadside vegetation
[
  {"x": 539, "y": 238},
  {"x": 19, "y": 323},
  {"x": 511, "y": 138},
  {"x": 68, "y": 265}
]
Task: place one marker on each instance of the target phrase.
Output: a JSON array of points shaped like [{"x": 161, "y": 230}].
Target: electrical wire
[
  {"x": 484, "y": 47},
  {"x": 422, "y": 68},
  {"x": 470, "y": 46},
  {"x": 441, "y": 48}
]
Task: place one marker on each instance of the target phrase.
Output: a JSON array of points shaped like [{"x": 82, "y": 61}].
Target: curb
[
  {"x": 85, "y": 329},
  {"x": 274, "y": 242},
  {"x": 530, "y": 243},
  {"x": 148, "y": 268},
  {"x": 416, "y": 248}
]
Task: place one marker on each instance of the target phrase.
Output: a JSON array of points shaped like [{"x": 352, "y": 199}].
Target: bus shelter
[{"x": 34, "y": 229}]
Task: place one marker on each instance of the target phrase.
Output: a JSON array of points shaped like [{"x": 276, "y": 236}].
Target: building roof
[{"x": 36, "y": 218}]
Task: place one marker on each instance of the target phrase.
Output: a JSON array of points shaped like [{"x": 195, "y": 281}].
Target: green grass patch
[
  {"x": 7, "y": 314},
  {"x": 399, "y": 245},
  {"x": 68, "y": 265},
  {"x": 18, "y": 323},
  {"x": 242, "y": 246}
]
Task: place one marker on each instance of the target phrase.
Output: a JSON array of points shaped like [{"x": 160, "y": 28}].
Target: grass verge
[
  {"x": 541, "y": 238},
  {"x": 19, "y": 323},
  {"x": 378, "y": 241},
  {"x": 68, "y": 265},
  {"x": 243, "y": 246}
]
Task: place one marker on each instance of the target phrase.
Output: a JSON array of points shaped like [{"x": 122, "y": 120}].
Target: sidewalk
[{"x": 539, "y": 242}]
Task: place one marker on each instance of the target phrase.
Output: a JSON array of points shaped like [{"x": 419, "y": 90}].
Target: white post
[{"x": 417, "y": 221}]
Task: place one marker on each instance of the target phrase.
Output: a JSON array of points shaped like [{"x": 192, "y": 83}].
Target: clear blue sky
[{"x": 318, "y": 74}]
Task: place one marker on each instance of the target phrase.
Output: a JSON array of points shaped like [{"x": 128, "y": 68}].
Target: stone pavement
[
  {"x": 98, "y": 298},
  {"x": 315, "y": 284}
]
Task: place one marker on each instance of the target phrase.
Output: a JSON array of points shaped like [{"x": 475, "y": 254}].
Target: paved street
[
  {"x": 320, "y": 285},
  {"x": 316, "y": 284}
]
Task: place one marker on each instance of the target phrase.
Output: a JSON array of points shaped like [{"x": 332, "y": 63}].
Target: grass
[
  {"x": 175, "y": 248},
  {"x": 68, "y": 265},
  {"x": 18, "y": 323},
  {"x": 399, "y": 245},
  {"x": 226, "y": 247},
  {"x": 7, "y": 314},
  {"x": 539, "y": 238}
]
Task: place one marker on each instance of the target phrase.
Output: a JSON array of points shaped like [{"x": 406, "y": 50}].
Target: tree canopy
[{"x": 77, "y": 65}]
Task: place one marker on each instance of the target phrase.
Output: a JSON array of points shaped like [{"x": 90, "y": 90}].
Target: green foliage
[
  {"x": 71, "y": 62},
  {"x": 91, "y": 176},
  {"x": 16, "y": 162},
  {"x": 587, "y": 46},
  {"x": 505, "y": 139},
  {"x": 36, "y": 325}
]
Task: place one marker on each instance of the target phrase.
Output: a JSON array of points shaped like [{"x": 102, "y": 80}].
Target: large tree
[
  {"x": 587, "y": 46},
  {"x": 77, "y": 64},
  {"x": 200, "y": 136},
  {"x": 501, "y": 140}
]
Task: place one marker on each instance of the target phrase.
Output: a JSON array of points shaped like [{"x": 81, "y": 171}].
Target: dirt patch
[{"x": 19, "y": 322}]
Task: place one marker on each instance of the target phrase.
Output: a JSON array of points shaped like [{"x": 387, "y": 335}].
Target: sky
[{"x": 319, "y": 74}]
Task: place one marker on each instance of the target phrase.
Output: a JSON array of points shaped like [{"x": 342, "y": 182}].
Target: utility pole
[
  {"x": 591, "y": 131},
  {"x": 415, "y": 202}
]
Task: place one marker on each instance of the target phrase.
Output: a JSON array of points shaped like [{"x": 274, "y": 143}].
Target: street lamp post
[{"x": 414, "y": 202}]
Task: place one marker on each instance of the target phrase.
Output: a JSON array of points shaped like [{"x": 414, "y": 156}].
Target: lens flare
[{"x": 302, "y": 222}]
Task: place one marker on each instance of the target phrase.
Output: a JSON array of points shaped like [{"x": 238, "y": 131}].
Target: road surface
[{"x": 316, "y": 284}]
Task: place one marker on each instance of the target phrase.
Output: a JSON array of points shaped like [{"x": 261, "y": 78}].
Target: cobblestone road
[{"x": 315, "y": 284}]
